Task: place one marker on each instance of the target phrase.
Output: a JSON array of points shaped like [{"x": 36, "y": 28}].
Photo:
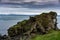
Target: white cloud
[{"x": 26, "y": 11}]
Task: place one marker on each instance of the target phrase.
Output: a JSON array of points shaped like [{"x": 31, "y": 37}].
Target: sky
[
  {"x": 36, "y": 1},
  {"x": 33, "y": 7},
  {"x": 18, "y": 1}
]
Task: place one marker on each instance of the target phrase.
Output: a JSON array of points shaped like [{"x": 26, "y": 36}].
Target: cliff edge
[{"x": 39, "y": 24}]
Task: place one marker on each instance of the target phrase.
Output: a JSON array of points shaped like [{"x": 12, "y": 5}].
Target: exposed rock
[{"x": 39, "y": 24}]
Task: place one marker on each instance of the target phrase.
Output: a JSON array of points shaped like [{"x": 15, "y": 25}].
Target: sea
[{"x": 6, "y": 21}]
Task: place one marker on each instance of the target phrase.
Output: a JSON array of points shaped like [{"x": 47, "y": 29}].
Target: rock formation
[{"x": 39, "y": 24}]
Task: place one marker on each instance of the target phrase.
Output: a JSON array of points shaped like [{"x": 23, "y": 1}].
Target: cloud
[
  {"x": 20, "y": 1},
  {"x": 28, "y": 7},
  {"x": 26, "y": 11},
  {"x": 31, "y": 3},
  {"x": 23, "y": 11}
]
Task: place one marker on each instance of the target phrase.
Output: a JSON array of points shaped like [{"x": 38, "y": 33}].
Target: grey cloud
[
  {"x": 28, "y": 0},
  {"x": 37, "y": 2},
  {"x": 32, "y": 3}
]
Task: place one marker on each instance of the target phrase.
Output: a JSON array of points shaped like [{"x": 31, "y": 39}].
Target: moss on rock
[{"x": 40, "y": 23}]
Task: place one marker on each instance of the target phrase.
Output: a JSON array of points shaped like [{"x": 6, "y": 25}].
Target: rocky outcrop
[{"x": 39, "y": 24}]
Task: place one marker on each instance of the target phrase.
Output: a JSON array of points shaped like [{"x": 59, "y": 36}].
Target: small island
[{"x": 35, "y": 28}]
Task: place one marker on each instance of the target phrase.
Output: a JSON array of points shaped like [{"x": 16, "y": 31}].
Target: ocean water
[
  {"x": 58, "y": 22},
  {"x": 8, "y": 21}
]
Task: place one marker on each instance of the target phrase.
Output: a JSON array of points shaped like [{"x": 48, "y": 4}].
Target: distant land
[
  {"x": 58, "y": 15},
  {"x": 15, "y": 15}
]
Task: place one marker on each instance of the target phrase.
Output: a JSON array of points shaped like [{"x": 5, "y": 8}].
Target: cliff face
[{"x": 39, "y": 24}]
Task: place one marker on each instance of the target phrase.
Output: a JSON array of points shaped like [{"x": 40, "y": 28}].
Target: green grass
[{"x": 54, "y": 35}]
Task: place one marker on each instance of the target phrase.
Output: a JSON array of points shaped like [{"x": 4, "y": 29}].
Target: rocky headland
[{"x": 26, "y": 29}]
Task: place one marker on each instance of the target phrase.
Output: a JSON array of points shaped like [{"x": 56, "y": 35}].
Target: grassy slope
[{"x": 54, "y": 35}]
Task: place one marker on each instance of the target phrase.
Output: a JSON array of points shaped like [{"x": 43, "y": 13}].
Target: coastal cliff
[{"x": 39, "y": 24}]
